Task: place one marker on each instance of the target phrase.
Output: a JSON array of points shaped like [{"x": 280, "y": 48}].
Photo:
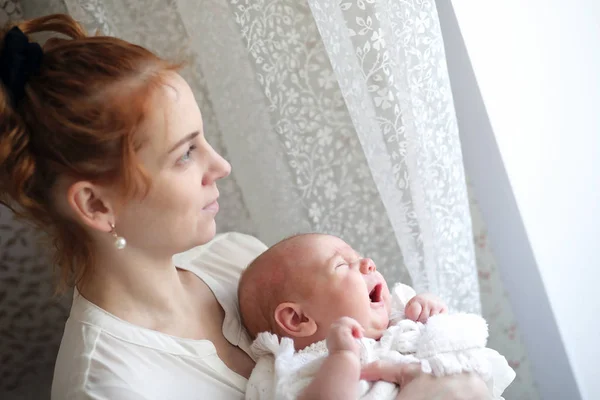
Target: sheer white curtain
[{"x": 388, "y": 57}]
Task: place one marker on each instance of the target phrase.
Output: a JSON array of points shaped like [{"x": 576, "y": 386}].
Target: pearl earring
[{"x": 120, "y": 241}]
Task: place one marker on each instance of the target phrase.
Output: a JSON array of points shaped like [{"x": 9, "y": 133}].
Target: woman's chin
[{"x": 206, "y": 233}]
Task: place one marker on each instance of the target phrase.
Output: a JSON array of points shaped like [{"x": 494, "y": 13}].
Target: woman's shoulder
[
  {"x": 219, "y": 264},
  {"x": 224, "y": 258}
]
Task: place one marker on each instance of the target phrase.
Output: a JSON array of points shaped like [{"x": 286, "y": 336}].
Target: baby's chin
[
  {"x": 377, "y": 330},
  {"x": 374, "y": 333}
]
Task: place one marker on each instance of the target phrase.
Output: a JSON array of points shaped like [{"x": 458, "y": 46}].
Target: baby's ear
[{"x": 293, "y": 321}]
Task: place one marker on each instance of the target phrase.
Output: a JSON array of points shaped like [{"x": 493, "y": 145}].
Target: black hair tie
[{"x": 18, "y": 61}]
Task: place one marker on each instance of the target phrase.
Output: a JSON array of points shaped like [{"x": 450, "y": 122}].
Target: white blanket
[{"x": 446, "y": 344}]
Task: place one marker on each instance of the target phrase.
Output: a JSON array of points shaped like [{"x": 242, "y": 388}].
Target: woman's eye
[{"x": 187, "y": 156}]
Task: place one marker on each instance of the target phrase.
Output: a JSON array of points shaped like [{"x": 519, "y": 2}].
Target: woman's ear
[
  {"x": 293, "y": 321},
  {"x": 90, "y": 206}
]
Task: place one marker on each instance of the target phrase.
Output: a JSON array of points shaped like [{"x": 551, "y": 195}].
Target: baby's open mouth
[{"x": 375, "y": 294}]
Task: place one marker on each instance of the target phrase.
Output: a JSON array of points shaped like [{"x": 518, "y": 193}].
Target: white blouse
[{"x": 102, "y": 357}]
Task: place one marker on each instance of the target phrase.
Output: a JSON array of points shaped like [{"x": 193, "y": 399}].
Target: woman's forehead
[{"x": 171, "y": 115}]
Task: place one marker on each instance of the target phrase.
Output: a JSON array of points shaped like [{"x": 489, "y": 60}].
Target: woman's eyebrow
[{"x": 189, "y": 137}]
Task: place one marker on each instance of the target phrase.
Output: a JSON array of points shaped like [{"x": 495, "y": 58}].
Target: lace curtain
[{"x": 336, "y": 116}]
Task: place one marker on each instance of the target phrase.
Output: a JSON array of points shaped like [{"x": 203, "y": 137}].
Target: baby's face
[{"x": 341, "y": 283}]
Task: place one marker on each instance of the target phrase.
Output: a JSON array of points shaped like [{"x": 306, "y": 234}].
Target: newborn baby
[{"x": 313, "y": 287}]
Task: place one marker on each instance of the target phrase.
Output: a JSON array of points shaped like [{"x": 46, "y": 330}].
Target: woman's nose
[
  {"x": 218, "y": 168},
  {"x": 367, "y": 266}
]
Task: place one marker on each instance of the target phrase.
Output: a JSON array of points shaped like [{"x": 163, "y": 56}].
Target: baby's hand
[
  {"x": 423, "y": 306},
  {"x": 343, "y": 335}
]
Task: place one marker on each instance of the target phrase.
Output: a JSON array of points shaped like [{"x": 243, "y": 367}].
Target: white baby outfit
[{"x": 446, "y": 344}]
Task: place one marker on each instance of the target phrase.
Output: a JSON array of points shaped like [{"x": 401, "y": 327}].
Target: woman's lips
[{"x": 212, "y": 207}]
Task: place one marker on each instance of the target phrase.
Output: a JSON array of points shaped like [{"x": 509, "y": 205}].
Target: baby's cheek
[
  {"x": 341, "y": 304},
  {"x": 358, "y": 310}
]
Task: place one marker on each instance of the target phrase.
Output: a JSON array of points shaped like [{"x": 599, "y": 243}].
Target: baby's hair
[
  {"x": 263, "y": 285},
  {"x": 77, "y": 119}
]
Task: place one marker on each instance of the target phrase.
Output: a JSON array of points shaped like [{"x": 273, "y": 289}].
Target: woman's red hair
[{"x": 77, "y": 119}]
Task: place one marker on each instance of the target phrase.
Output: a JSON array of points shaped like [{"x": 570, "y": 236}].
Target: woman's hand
[{"x": 417, "y": 385}]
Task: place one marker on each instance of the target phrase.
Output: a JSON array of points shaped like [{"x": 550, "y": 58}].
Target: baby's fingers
[
  {"x": 425, "y": 312},
  {"x": 438, "y": 308},
  {"x": 413, "y": 310},
  {"x": 343, "y": 336},
  {"x": 348, "y": 325}
]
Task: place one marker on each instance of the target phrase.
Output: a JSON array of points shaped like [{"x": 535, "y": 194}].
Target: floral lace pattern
[{"x": 388, "y": 57}]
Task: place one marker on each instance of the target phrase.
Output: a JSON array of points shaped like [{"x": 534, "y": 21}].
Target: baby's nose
[{"x": 366, "y": 266}]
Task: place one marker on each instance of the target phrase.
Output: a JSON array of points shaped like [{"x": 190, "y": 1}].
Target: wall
[{"x": 526, "y": 86}]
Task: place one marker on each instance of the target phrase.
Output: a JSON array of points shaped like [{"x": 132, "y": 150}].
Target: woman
[{"x": 101, "y": 144}]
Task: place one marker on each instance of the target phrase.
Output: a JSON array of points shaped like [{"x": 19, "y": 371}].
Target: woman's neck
[{"x": 146, "y": 291}]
